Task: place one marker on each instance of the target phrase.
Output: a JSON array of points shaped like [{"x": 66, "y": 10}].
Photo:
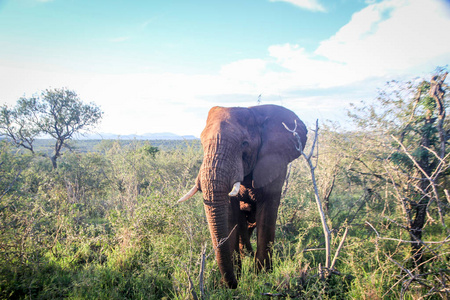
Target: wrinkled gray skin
[{"x": 250, "y": 146}]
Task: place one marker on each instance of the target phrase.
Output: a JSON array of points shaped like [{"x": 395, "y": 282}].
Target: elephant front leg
[
  {"x": 266, "y": 217},
  {"x": 266, "y": 222}
]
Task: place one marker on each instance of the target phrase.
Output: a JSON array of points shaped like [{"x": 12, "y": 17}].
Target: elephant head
[{"x": 246, "y": 153}]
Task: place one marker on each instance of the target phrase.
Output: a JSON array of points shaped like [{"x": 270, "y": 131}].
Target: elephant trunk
[
  {"x": 219, "y": 173},
  {"x": 217, "y": 216}
]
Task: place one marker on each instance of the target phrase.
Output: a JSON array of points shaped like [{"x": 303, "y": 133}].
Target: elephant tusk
[
  {"x": 235, "y": 189},
  {"x": 188, "y": 194}
]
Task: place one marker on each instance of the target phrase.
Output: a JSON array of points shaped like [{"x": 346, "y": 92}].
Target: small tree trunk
[
  {"x": 58, "y": 146},
  {"x": 416, "y": 228},
  {"x": 426, "y": 164},
  {"x": 54, "y": 164}
]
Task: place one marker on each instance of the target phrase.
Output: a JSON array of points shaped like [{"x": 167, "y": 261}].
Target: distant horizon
[
  {"x": 113, "y": 136},
  {"x": 148, "y": 135}
]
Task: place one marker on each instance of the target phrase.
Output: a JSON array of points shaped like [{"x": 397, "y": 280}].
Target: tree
[
  {"x": 57, "y": 112},
  {"x": 20, "y": 123},
  {"x": 411, "y": 117}
]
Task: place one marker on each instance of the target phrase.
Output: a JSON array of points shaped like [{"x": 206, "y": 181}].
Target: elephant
[{"x": 246, "y": 151}]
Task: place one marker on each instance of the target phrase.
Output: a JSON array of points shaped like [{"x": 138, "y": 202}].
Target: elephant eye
[{"x": 244, "y": 144}]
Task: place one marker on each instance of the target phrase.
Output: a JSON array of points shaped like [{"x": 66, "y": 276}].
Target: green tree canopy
[{"x": 57, "y": 112}]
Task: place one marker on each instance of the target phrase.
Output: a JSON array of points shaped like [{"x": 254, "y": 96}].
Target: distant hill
[{"x": 145, "y": 136}]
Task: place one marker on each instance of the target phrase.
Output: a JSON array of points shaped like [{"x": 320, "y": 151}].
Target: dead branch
[
  {"x": 202, "y": 272},
  {"x": 344, "y": 236},
  {"x": 222, "y": 241},
  {"x": 410, "y": 274},
  {"x": 191, "y": 286},
  {"x": 430, "y": 178},
  {"x": 308, "y": 157},
  {"x": 447, "y": 239},
  {"x": 286, "y": 181},
  {"x": 405, "y": 207},
  {"x": 190, "y": 283}
]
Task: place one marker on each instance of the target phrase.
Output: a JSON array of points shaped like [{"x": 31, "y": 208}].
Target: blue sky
[{"x": 158, "y": 66}]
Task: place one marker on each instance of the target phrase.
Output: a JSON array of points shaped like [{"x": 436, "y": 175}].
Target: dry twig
[{"x": 327, "y": 232}]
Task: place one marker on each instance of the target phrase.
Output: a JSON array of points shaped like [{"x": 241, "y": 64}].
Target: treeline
[
  {"x": 105, "y": 224},
  {"x": 85, "y": 146}
]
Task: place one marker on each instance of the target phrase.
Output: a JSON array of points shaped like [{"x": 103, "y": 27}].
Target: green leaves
[
  {"x": 149, "y": 150},
  {"x": 63, "y": 113}
]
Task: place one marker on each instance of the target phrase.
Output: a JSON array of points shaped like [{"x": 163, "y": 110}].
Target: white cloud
[
  {"x": 305, "y": 70},
  {"x": 312, "y": 5},
  {"x": 390, "y": 37}
]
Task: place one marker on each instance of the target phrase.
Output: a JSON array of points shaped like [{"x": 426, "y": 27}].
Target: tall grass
[{"x": 105, "y": 225}]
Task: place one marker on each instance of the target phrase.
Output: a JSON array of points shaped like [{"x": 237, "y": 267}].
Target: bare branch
[
  {"x": 344, "y": 236},
  {"x": 286, "y": 181},
  {"x": 191, "y": 284},
  {"x": 447, "y": 239},
  {"x": 222, "y": 241},
  {"x": 431, "y": 179},
  {"x": 202, "y": 272},
  {"x": 325, "y": 227},
  {"x": 378, "y": 235},
  {"x": 410, "y": 274}
]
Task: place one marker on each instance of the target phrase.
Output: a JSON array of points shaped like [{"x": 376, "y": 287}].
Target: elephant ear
[{"x": 278, "y": 145}]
